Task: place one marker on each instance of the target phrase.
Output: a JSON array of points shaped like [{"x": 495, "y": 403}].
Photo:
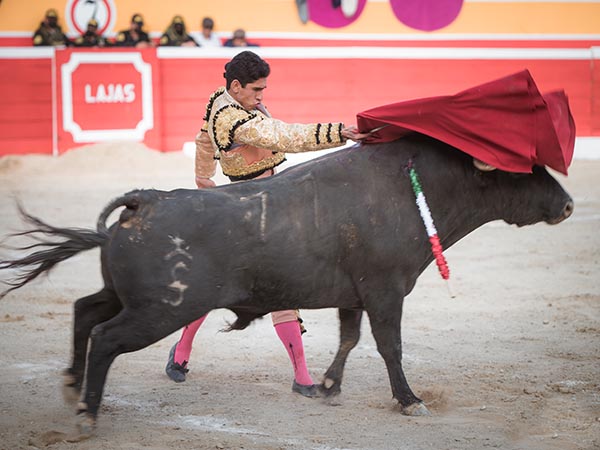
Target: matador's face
[{"x": 249, "y": 96}]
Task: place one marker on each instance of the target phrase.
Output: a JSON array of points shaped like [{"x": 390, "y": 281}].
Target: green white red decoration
[{"x": 436, "y": 247}]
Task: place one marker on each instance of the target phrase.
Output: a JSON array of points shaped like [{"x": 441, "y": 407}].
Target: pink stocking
[
  {"x": 184, "y": 346},
  {"x": 290, "y": 336}
]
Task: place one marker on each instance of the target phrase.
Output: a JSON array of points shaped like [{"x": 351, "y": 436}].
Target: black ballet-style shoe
[
  {"x": 176, "y": 371},
  {"x": 307, "y": 390}
]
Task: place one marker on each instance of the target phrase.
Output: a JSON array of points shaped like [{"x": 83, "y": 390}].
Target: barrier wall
[
  {"x": 328, "y": 67},
  {"x": 595, "y": 92},
  {"x": 52, "y": 100}
]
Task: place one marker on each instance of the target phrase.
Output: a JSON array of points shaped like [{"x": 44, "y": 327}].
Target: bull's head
[{"x": 525, "y": 198}]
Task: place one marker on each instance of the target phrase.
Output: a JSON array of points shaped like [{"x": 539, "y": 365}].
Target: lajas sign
[
  {"x": 106, "y": 96},
  {"x": 111, "y": 93}
]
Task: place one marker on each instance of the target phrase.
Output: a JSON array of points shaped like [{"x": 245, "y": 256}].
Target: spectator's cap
[
  {"x": 93, "y": 23},
  {"x": 178, "y": 19},
  {"x": 207, "y": 22},
  {"x": 239, "y": 34},
  {"x": 137, "y": 19},
  {"x": 52, "y": 13}
]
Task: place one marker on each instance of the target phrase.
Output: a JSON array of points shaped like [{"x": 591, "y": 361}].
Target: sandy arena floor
[{"x": 513, "y": 362}]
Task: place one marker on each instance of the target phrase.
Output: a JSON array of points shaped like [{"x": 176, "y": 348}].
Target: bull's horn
[{"x": 484, "y": 167}]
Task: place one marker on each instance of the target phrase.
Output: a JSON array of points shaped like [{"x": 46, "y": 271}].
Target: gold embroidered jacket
[{"x": 248, "y": 143}]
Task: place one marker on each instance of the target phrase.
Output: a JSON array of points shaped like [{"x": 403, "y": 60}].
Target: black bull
[{"x": 340, "y": 231}]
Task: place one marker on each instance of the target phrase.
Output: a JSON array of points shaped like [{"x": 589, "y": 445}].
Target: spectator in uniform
[
  {"x": 50, "y": 32},
  {"x": 208, "y": 38},
  {"x": 238, "y": 40},
  {"x": 176, "y": 35},
  {"x": 134, "y": 36},
  {"x": 91, "y": 38}
]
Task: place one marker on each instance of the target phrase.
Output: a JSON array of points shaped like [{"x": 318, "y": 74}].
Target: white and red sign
[
  {"x": 79, "y": 12},
  {"x": 106, "y": 96}
]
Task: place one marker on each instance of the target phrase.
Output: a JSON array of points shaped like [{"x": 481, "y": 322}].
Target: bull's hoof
[
  {"x": 86, "y": 425},
  {"x": 415, "y": 410},
  {"x": 70, "y": 395},
  {"x": 71, "y": 388},
  {"x": 69, "y": 378},
  {"x": 329, "y": 388}
]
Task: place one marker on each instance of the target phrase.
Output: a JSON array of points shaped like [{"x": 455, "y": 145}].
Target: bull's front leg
[
  {"x": 386, "y": 325},
  {"x": 349, "y": 336}
]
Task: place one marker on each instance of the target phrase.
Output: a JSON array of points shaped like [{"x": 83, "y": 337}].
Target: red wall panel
[
  {"x": 328, "y": 90},
  {"x": 25, "y": 106},
  {"x": 595, "y": 92},
  {"x": 186, "y": 85}
]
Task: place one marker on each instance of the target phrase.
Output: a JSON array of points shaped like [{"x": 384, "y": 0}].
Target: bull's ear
[{"x": 484, "y": 167}]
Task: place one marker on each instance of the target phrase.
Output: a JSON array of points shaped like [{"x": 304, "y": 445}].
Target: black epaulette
[
  {"x": 211, "y": 101},
  {"x": 243, "y": 118}
]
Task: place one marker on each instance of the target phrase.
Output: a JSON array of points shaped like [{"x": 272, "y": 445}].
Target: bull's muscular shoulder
[{"x": 225, "y": 121}]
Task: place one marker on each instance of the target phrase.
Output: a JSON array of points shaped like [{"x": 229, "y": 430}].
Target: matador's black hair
[{"x": 246, "y": 67}]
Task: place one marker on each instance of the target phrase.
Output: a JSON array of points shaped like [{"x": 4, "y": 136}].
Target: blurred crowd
[{"x": 50, "y": 33}]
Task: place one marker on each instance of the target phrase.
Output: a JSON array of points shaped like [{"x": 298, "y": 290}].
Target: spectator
[
  {"x": 238, "y": 40},
  {"x": 50, "y": 32},
  {"x": 176, "y": 35},
  {"x": 91, "y": 38},
  {"x": 208, "y": 38},
  {"x": 134, "y": 36}
]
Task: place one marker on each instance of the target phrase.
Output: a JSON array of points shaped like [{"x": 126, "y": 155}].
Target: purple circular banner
[{"x": 426, "y": 15}]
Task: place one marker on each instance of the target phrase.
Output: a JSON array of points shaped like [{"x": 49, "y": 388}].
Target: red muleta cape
[{"x": 506, "y": 123}]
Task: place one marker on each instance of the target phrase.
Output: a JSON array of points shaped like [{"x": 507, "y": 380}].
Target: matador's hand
[
  {"x": 204, "y": 183},
  {"x": 352, "y": 133}
]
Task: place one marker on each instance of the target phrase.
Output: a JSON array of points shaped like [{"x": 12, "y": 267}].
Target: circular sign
[
  {"x": 80, "y": 12},
  {"x": 426, "y": 15}
]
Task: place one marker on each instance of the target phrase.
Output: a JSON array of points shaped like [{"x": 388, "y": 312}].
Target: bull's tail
[
  {"x": 49, "y": 252},
  {"x": 131, "y": 201}
]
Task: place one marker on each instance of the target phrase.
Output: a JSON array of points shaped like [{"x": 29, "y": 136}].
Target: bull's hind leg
[
  {"x": 349, "y": 335},
  {"x": 88, "y": 312},
  {"x": 128, "y": 331},
  {"x": 386, "y": 328}
]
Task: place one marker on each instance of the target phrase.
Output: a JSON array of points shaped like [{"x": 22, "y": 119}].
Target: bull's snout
[{"x": 565, "y": 214}]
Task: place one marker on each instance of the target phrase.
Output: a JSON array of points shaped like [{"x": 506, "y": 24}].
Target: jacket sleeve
[
  {"x": 205, "y": 155},
  {"x": 275, "y": 135}
]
